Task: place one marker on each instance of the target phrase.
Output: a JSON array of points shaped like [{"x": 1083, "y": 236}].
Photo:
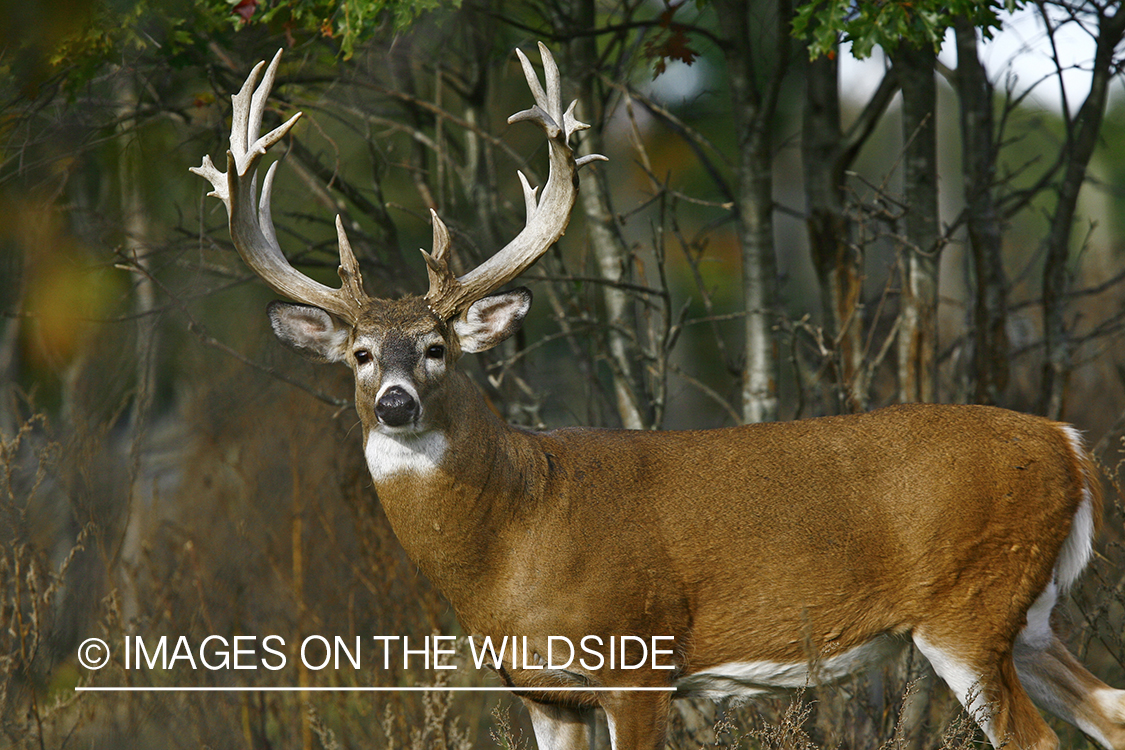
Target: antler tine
[
  {"x": 554, "y": 85},
  {"x": 350, "y": 277},
  {"x": 442, "y": 281},
  {"x": 547, "y": 216},
  {"x": 529, "y": 196},
  {"x": 265, "y": 210},
  {"x": 241, "y": 106},
  {"x": 261, "y": 94},
  {"x": 251, "y": 226},
  {"x": 532, "y": 79}
]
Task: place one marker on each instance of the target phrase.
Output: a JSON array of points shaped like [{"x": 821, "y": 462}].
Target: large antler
[
  {"x": 546, "y": 218},
  {"x": 253, "y": 231}
]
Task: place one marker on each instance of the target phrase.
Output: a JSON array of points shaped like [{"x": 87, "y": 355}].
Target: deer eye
[
  {"x": 362, "y": 356},
  {"x": 437, "y": 351}
]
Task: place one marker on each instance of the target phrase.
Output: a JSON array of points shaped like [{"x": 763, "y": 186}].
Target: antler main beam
[
  {"x": 253, "y": 231},
  {"x": 547, "y": 216}
]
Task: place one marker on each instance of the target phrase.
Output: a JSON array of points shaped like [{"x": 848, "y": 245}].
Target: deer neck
[{"x": 451, "y": 492}]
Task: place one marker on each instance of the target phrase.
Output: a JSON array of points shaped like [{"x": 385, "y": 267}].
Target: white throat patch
[{"x": 403, "y": 453}]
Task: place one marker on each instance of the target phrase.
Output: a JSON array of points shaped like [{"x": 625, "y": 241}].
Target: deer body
[
  {"x": 773, "y": 555},
  {"x": 548, "y": 513}
]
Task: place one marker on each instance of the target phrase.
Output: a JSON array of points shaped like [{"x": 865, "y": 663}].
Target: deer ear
[
  {"x": 310, "y": 331},
  {"x": 490, "y": 320}
]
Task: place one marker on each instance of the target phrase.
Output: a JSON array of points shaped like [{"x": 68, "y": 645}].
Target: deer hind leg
[
  {"x": 561, "y": 727},
  {"x": 1061, "y": 685},
  {"x": 993, "y": 696}
]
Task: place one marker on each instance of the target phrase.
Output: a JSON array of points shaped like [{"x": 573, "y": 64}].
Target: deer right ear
[{"x": 310, "y": 331}]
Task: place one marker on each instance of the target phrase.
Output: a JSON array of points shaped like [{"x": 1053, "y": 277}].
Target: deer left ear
[{"x": 490, "y": 320}]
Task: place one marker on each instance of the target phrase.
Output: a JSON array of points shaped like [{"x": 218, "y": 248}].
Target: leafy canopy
[
  {"x": 81, "y": 36},
  {"x": 887, "y": 23}
]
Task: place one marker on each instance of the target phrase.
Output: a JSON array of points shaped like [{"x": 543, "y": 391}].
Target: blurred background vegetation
[{"x": 779, "y": 234}]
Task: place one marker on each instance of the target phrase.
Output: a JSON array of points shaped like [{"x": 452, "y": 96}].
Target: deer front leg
[
  {"x": 990, "y": 690},
  {"x": 561, "y": 727},
  {"x": 637, "y": 721}
]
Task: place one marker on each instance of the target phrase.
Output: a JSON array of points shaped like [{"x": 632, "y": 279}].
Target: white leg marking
[
  {"x": 1088, "y": 728},
  {"x": 964, "y": 683},
  {"x": 1079, "y": 545},
  {"x": 409, "y": 452},
  {"x": 1112, "y": 702}
]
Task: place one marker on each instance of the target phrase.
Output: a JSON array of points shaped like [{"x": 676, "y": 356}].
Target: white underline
[{"x": 417, "y": 689}]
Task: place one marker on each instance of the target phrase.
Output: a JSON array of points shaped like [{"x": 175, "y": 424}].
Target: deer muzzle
[{"x": 396, "y": 407}]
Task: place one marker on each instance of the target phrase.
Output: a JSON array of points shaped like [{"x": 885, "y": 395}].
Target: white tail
[{"x": 954, "y": 527}]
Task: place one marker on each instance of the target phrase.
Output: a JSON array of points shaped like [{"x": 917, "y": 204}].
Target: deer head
[{"x": 401, "y": 351}]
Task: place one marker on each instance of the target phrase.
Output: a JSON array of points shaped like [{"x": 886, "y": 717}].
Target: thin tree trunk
[
  {"x": 759, "y": 280},
  {"x": 838, "y": 261},
  {"x": 978, "y": 159},
  {"x": 917, "y": 336},
  {"x": 828, "y": 153},
  {"x": 134, "y": 224},
  {"x": 609, "y": 248},
  {"x": 1082, "y": 137},
  {"x": 131, "y": 517},
  {"x": 482, "y": 187},
  {"x": 755, "y": 98}
]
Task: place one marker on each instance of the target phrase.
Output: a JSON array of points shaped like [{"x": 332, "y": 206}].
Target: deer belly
[{"x": 750, "y": 677}]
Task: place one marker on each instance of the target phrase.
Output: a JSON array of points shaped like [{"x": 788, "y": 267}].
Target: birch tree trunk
[
  {"x": 755, "y": 77},
  {"x": 917, "y": 335},
  {"x": 608, "y": 246}
]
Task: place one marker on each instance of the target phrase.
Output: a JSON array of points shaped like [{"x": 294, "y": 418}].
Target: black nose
[{"x": 396, "y": 407}]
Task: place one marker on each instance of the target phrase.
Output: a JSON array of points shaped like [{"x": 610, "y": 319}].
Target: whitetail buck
[{"x": 952, "y": 527}]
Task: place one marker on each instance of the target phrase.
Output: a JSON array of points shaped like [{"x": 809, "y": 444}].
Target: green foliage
[
  {"x": 179, "y": 31},
  {"x": 886, "y": 23},
  {"x": 349, "y": 22}
]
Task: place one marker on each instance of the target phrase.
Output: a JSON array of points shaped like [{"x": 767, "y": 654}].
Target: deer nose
[{"x": 396, "y": 407}]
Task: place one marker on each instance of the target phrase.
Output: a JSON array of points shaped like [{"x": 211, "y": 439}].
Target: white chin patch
[{"x": 403, "y": 451}]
